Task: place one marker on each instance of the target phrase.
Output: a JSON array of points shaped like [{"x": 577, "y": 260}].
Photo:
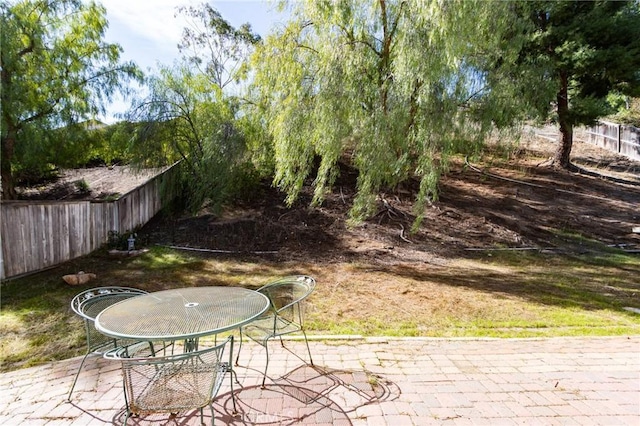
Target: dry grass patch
[{"x": 507, "y": 294}]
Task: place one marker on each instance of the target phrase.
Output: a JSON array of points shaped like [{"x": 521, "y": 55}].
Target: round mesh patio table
[{"x": 184, "y": 313}]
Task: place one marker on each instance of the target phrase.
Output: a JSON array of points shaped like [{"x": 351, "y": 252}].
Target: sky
[{"x": 149, "y": 31}]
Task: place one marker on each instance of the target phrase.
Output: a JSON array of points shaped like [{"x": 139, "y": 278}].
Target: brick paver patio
[{"x": 558, "y": 381}]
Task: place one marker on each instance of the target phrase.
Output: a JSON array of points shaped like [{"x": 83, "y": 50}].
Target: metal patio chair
[
  {"x": 285, "y": 314},
  {"x": 173, "y": 383},
  {"x": 88, "y": 304}
]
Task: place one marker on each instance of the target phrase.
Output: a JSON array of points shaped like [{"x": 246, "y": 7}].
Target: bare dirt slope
[
  {"x": 90, "y": 183},
  {"x": 510, "y": 201}
]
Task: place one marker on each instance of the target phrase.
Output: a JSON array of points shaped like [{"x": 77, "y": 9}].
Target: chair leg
[
  {"x": 266, "y": 349},
  {"x": 306, "y": 341},
  {"x": 126, "y": 402},
  {"x": 77, "y": 375},
  {"x": 308, "y": 349},
  {"x": 239, "y": 346},
  {"x": 232, "y": 373},
  {"x": 233, "y": 395}
]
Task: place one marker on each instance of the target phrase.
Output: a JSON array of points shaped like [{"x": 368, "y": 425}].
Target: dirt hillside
[{"x": 510, "y": 200}]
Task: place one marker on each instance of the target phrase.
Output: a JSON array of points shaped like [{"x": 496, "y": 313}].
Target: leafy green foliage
[
  {"x": 79, "y": 145},
  {"x": 396, "y": 87},
  {"x": 630, "y": 113},
  {"x": 185, "y": 118},
  {"x": 56, "y": 71}
]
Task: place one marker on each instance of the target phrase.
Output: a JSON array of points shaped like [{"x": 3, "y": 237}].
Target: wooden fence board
[
  {"x": 40, "y": 234},
  {"x": 614, "y": 137},
  {"x": 36, "y": 235}
]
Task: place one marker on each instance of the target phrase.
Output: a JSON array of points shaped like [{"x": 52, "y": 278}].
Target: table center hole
[{"x": 191, "y": 305}]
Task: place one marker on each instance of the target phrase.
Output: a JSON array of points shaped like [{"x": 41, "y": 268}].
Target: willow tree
[
  {"x": 400, "y": 86},
  {"x": 186, "y": 118},
  {"x": 55, "y": 70}
]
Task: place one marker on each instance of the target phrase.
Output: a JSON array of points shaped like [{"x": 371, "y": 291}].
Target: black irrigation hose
[{"x": 215, "y": 251}]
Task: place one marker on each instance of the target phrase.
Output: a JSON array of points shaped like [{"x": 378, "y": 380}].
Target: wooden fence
[
  {"x": 619, "y": 138},
  {"x": 39, "y": 234}
]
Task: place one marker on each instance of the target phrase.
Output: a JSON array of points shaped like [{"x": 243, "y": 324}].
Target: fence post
[{"x": 619, "y": 134}]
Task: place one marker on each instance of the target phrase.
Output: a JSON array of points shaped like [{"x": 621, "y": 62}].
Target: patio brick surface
[{"x": 369, "y": 382}]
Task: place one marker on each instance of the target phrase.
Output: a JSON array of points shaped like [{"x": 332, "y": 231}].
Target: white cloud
[
  {"x": 149, "y": 31},
  {"x": 154, "y": 21}
]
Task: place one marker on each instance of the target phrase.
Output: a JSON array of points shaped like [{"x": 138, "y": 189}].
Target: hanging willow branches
[{"x": 397, "y": 86}]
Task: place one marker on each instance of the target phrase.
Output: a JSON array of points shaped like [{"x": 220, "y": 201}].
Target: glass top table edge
[{"x": 175, "y": 337}]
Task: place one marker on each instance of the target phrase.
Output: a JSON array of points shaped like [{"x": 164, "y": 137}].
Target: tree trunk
[
  {"x": 563, "y": 153},
  {"x": 8, "y": 185},
  {"x": 7, "y": 135}
]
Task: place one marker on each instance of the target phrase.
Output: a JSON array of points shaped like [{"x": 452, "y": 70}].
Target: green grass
[{"x": 487, "y": 294}]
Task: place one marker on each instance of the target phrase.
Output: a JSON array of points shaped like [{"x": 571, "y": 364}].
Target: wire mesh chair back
[
  {"x": 285, "y": 315},
  {"x": 286, "y": 298},
  {"x": 174, "y": 383},
  {"x": 88, "y": 304}
]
